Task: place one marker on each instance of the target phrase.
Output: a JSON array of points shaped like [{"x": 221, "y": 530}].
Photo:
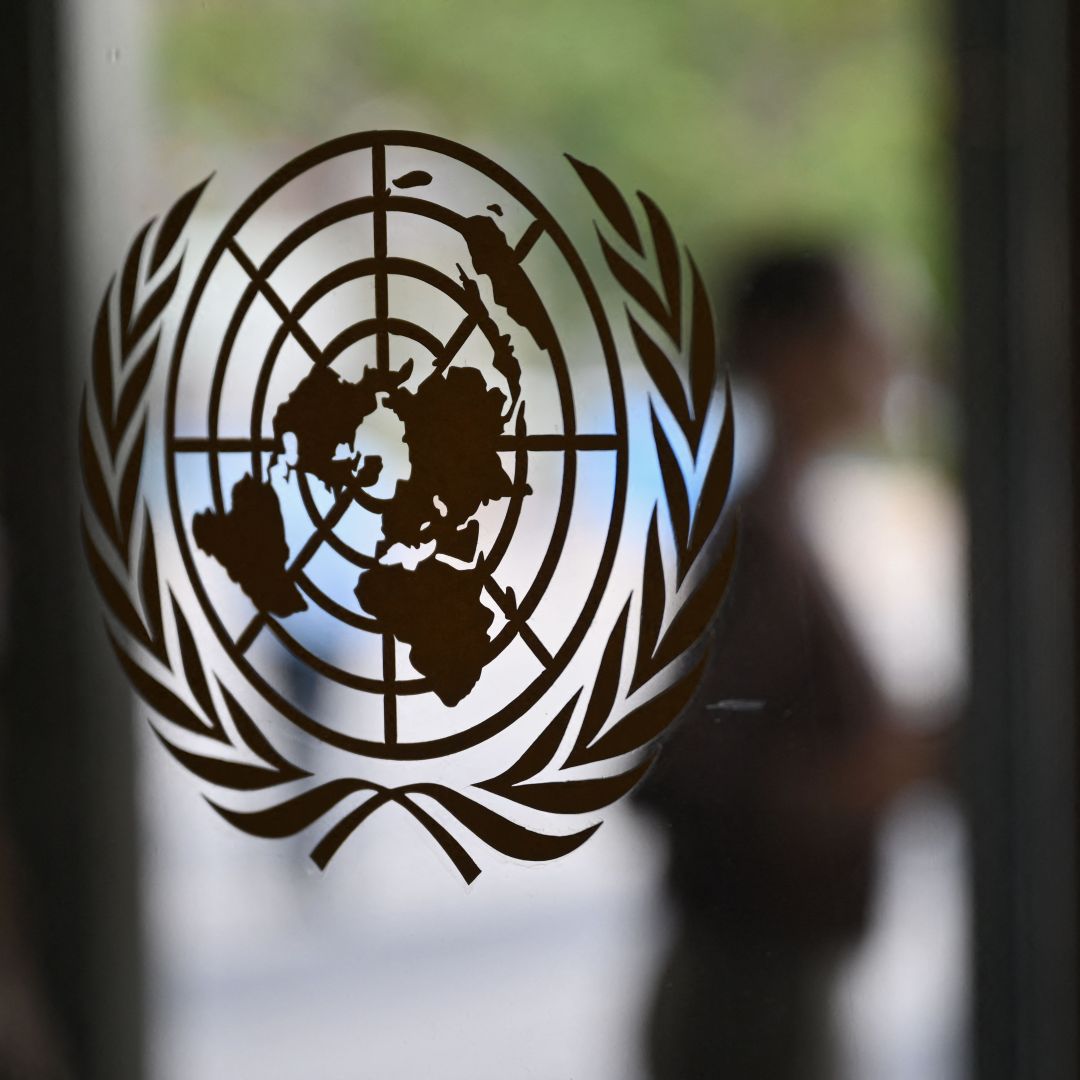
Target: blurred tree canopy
[{"x": 741, "y": 117}]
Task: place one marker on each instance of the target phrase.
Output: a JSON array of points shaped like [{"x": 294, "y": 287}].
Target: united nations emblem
[{"x": 408, "y": 560}]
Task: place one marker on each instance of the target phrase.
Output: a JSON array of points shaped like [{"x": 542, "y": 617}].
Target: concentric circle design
[{"x": 432, "y": 353}]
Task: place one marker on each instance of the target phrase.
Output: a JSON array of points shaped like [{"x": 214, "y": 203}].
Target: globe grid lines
[
  {"x": 379, "y": 267},
  {"x": 380, "y": 327},
  {"x": 568, "y": 442},
  {"x": 323, "y": 528}
]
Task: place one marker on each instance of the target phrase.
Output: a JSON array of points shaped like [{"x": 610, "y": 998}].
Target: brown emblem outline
[{"x": 672, "y": 621}]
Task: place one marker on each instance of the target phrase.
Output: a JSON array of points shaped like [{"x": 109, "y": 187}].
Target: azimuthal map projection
[
  {"x": 400, "y": 438},
  {"x": 396, "y": 444}
]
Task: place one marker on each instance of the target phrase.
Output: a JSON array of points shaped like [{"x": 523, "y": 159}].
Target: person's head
[{"x": 800, "y": 324}]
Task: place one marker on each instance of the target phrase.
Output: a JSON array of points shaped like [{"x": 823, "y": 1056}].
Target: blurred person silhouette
[{"x": 771, "y": 789}]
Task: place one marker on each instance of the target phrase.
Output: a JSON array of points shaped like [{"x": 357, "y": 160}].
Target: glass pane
[{"x": 785, "y": 895}]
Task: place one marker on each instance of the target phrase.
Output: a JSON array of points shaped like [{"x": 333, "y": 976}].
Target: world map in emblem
[
  {"x": 393, "y": 438},
  {"x": 452, "y": 423}
]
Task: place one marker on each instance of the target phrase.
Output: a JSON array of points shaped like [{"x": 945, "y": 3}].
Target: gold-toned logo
[{"x": 454, "y": 552}]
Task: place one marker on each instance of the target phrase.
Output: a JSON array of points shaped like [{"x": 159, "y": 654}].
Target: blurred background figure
[{"x": 772, "y": 789}]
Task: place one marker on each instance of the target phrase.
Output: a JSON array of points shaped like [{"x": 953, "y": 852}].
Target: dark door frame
[
  {"x": 1017, "y": 242},
  {"x": 66, "y": 752}
]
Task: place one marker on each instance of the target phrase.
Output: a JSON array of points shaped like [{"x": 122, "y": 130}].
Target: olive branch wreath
[{"x": 160, "y": 663}]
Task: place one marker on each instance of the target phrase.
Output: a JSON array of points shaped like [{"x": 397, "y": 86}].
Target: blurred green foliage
[{"x": 741, "y": 117}]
